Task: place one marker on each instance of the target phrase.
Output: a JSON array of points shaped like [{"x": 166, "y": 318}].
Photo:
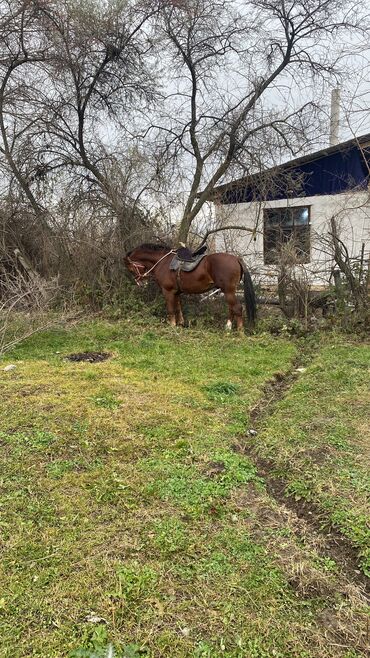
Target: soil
[{"x": 90, "y": 357}]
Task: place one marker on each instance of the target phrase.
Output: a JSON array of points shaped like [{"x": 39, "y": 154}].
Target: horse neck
[{"x": 152, "y": 257}]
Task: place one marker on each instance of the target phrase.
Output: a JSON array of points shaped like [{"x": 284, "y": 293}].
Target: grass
[
  {"x": 128, "y": 518},
  {"x": 318, "y": 439}
]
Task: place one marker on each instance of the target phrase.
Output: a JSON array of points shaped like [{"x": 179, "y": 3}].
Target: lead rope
[{"x": 139, "y": 276}]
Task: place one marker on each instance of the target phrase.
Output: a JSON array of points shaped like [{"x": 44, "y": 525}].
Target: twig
[{"x": 7, "y": 346}]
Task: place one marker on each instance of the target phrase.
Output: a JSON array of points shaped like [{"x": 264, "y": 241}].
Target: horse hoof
[{"x": 229, "y": 325}]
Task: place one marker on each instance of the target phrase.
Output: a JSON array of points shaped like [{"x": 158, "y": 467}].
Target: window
[{"x": 282, "y": 225}]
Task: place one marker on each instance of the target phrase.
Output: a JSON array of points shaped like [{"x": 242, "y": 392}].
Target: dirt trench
[
  {"x": 336, "y": 544},
  {"x": 310, "y": 539}
]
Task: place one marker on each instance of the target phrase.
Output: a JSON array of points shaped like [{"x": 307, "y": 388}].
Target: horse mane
[{"x": 149, "y": 246}]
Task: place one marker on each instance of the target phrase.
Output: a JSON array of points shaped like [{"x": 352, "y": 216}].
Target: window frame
[{"x": 271, "y": 258}]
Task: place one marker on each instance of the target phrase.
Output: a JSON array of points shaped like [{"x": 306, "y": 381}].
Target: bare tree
[
  {"x": 101, "y": 76},
  {"x": 236, "y": 65},
  {"x": 23, "y": 54},
  {"x": 75, "y": 78}
]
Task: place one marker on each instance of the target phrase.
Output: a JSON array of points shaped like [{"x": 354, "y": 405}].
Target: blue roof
[{"x": 334, "y": 170}]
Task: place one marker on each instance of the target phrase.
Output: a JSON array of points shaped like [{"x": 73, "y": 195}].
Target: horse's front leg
[
  {"x": 179, "y": 315},
  {"x": 170, "y": 298}
]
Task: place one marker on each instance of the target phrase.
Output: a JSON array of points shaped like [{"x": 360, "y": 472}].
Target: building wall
[{"x": 352, "y": 211}]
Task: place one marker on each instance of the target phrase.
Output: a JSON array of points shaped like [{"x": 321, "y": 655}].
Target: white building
[{"x": 294, "y": 202}]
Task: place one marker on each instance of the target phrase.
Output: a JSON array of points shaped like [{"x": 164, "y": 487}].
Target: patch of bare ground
[
  {"x": 333, "y": 542},
  {"x": 90, "y": 357},
  {"x": 309, "y": 566}
]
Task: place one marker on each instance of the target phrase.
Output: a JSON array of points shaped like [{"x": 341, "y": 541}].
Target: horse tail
[{"x": 249, "y": 295}]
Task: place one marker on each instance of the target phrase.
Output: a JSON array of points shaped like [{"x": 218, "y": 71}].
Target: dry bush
[
  {"x": 90, "y": 256},
  {"x": 24, "y": 307},
  {"x": 293, "y": 283},
  {"x": 83, "y": 248},
  {"x": 355, "y": 269},
  {"x": 348, "y": 294},
  {"x": 351, "y": 278},
  {"x": 296, "y": 297}
]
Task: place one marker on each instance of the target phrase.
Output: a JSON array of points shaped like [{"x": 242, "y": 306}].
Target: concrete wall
[{"x": 352, "y": 211}]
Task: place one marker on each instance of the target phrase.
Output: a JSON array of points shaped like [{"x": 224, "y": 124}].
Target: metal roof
[{"x": 361, "y": 141}]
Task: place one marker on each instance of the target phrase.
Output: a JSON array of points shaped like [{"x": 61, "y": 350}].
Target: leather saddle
[{"x": 186, "y": 260}]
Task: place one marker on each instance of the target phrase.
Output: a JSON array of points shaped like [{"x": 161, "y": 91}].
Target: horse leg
[
  {"x": 229, "y": 323},
  {"x": 235, "y": 310},
  {"x": 170, "y": 298},
  {"x": 179, "y": 315}
]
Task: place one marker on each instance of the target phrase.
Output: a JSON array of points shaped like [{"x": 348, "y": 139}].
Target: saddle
[{"x": 186, "y": 260}]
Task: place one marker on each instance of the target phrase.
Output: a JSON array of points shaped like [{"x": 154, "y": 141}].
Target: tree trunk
[{"x": 184, "y": 228}]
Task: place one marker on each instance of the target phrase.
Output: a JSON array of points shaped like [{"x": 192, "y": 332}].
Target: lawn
[{"x": 128, "y": 516}]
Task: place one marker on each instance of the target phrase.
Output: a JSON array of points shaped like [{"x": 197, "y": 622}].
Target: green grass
[
  {"x": 128, "y": 518},
  {"x": 318, "y": 439}
]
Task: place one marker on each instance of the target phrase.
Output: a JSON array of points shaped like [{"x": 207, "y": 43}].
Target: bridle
[
  {"x": 140, "y": 276},
  {"x": 137, "y": 274}
]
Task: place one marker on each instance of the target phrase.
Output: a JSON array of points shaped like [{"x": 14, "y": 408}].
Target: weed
[
  {"x": 107, "y": 401},
  {"x": 135, "y": 585},
  {"x": 299, "y": 489},
  {"x": 327, "y": 564},
  {"x": 170, "y": 536},
  {"x": 133, "y": 651},
  {"x": 220, "y": 391},
  {"x": 34, "y": 440},
  {"x": 109, "y": 488},
  {"x": 94, "y": 644}
]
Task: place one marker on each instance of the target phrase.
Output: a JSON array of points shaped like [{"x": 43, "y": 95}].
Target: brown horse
[{"x": 223, "y": 271}]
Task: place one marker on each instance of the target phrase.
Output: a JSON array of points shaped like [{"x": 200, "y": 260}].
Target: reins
[{"x": 139, "y": 277}]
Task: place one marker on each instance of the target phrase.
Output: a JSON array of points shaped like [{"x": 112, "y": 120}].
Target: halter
[{"x": 139, "y": 277}]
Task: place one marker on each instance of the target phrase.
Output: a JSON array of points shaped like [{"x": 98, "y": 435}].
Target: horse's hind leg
[
  {"x": 235, "y": 311},
  {"x": 229, "y": 323}
]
